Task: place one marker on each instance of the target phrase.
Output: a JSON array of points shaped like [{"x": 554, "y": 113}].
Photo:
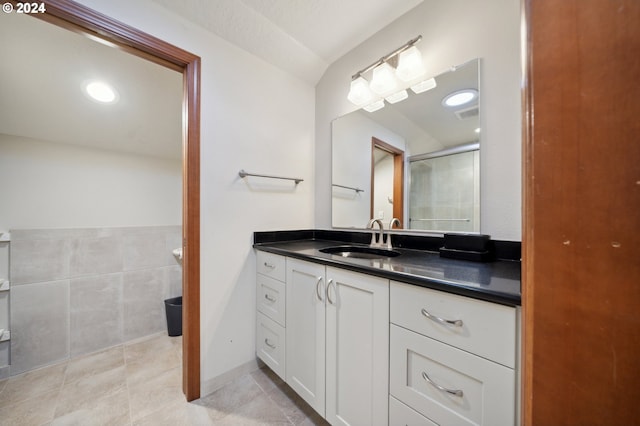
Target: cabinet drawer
[
  {"x": 270, "y": 344},
  {"x": 487, "y": 389},
  {"x": 486, "y": 329},
  {"x": 271, "y": 298},
  {"x": 271, "y": 265},
  {"x": 400, "y": 414}
]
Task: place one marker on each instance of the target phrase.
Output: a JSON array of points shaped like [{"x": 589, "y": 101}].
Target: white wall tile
[
  {"x": 39, "y": 260},
  {"x": 143, "y": 293},
  {"x": 96, "y": 313},
  {"x": 173, "y": 239},
  {"x": 39, "y": 324},
  {"x": 146, "y": 250},
  {"x": 103, "y": 305},
  {"x": 173, "y": 281},
  {"x": 93, "y": 256}
]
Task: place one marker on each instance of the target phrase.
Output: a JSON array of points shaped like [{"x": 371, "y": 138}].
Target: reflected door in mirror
[{"x": 387, "y": 182}]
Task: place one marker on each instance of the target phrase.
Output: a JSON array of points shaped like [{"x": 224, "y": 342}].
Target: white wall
[
  {"x": 256, "y": 117},
  {"x": 352, "y": 157},
  {"x": 454, "y": 32},
  {"x": 51, "y": 185}
]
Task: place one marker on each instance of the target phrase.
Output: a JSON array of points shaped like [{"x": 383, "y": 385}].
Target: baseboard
[{"x": 209, "y": 386}]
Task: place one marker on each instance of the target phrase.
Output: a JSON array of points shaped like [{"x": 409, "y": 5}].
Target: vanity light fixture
[
  {"x": 101, "y": 92},
  {"x": 423, "y": 86},
  {"x": 384, "y": 79},
  {"x": 397, "y": 97},
  {"x": 460, "y": 97},
  {"x": 379, "y": 104},
  {"x": 360, "y": 94},
  {"x": 388, "y": 82},
  {"x": 410, "y": 65}
]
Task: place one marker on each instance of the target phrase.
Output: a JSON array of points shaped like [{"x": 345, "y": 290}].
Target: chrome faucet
[
  {"x": 394, "y": 221},
  {"x": 380, "y": 241}
]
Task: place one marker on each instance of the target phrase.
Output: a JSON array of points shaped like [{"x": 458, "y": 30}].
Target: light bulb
[
  {"x": 101, "y": 92},
  {"x": 359, "y": 93},
  {"x": 384, "y": 79},
  {"x": 410, "y": 65}
]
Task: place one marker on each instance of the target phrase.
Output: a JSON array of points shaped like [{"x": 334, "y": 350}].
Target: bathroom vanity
[{"x": 414, "y": 339}]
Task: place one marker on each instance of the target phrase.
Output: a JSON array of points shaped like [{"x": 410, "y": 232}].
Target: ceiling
[
  {"x": 41, "y": 92},
  {"x": 44, "y": 67},
  {"x": 302, "y": 37}
]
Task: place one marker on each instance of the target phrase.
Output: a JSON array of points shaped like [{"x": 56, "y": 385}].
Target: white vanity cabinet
[
  {"x": 270, "y": 318},
  {"x": 452, "y": 358},
  {"x": 363, "y": 350},
  {"x": 337, "y": 334}
]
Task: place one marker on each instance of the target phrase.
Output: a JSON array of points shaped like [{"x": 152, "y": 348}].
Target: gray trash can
[{"x": 173, "y": 308}]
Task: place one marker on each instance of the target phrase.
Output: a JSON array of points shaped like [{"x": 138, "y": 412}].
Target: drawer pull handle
[
  {"x": 329, "y": 291},
  {"x": 456, "y": 392},
  {"x": 457, "y": 323},
  {"x": 318, "y": 292},
  {"x": 269, "y": 265},
  {"x": 269, "y": 298},
  {"x": 266, "y": 342}
]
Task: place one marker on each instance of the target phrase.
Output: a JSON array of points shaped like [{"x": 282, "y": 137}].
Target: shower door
[{"x": 445, "y": 193}]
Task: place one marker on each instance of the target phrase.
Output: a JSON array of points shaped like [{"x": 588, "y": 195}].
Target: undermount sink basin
[{"x": 360, "y": 252}]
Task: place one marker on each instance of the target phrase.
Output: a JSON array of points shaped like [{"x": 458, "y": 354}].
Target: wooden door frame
[
  {"x": 398, "y": 177},
  {"x": 81, "y": 19},
  {"x": 580, "y": 269}
]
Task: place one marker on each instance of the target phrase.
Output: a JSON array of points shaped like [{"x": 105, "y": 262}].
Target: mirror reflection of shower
[{"x": 445, "y": 190}]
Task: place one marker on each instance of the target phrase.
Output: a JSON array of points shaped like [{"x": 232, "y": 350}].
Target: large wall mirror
[{"x": 417, "y": 160}]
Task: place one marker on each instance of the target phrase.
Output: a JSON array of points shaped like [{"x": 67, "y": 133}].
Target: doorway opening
[
  {"x": 387, "y": 182},
  {"x": 80, "y": 19}
]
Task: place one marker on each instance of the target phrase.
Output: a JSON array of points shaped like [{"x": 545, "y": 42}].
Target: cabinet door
[
  {"x": 357, "y": 348},
  {"x": 305, "y": 331}
]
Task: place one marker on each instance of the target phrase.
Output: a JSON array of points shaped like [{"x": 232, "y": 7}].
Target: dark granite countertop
[{"x": 497, "y": 281}]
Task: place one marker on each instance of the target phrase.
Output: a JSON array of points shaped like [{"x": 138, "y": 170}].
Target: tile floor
[{"x": 140, "y": 384}]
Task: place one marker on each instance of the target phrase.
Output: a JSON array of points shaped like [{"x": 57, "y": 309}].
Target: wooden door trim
[
  {"x": 580, "y": 272},
  {"x": 527, "y": 217},
  {"x": 81, "y": 19},
  {"x": 398, "y": 177}
]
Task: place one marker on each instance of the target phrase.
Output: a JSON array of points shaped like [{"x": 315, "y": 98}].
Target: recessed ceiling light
[
  {"x": 101, "y": 92},
  {"x": 460, "y": 97}
]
